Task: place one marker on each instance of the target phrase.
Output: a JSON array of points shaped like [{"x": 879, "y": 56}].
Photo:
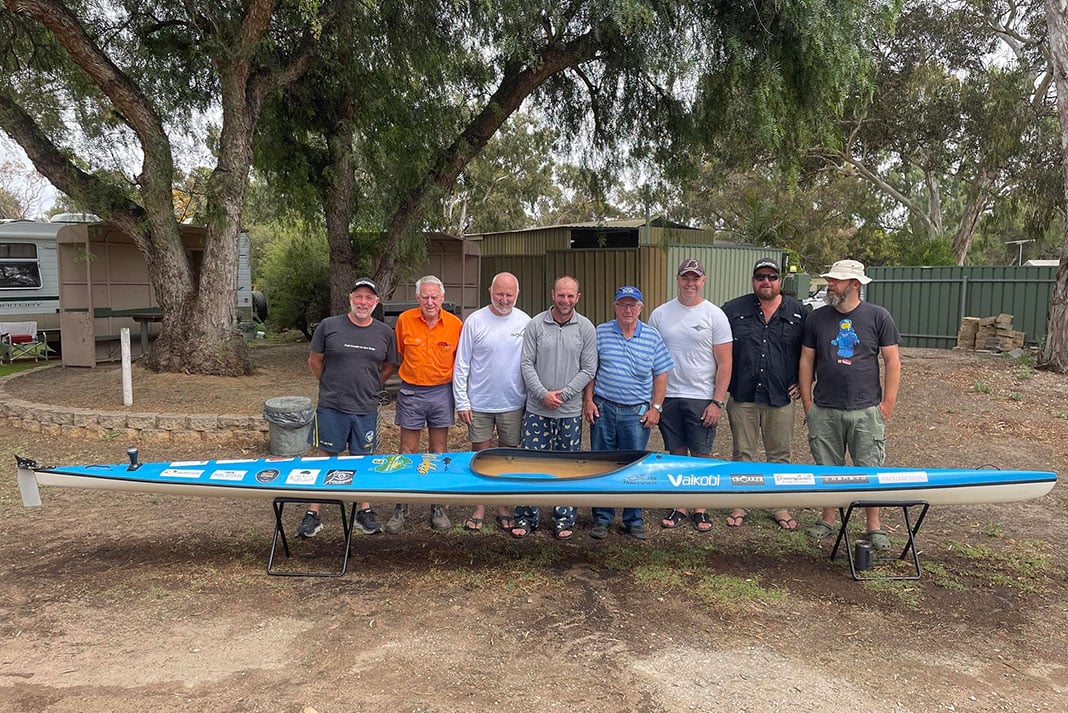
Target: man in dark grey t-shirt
[
  {"x": 351, "y": 355},
  {"x": 849, "y": 407}
]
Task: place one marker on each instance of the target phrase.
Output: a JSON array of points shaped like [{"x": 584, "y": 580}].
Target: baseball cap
[
  {"x": 691, "y": 264},
  {"x": 628, "y": 291},
  {"x": 365, "y": 282},
  {"x": 766, "y": 262},
  {"x": 847, "y": 270}
]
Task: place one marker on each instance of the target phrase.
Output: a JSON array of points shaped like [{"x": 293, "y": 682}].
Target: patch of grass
[
  {"x": 905, "y": 591},
  {"x": 992, "y": 530},
  {"x": 734, "y": 592},
  {"x": 941, "y": 577},
  {"x": 1016, "y": 396},
  {"x": 1024, "y": 372},
  {"x": 952, "y": 410},
  {"x": 8, "y": 369},
  {"x": 983, "y": 387},
  {"x": 1027, "y": 569}
]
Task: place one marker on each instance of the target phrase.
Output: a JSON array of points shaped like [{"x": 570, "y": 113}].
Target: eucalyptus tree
[
  {"x": 620, "y": 80},
  {"x": 1055, "y": 353},
  {"x": 101, "y": 95}
]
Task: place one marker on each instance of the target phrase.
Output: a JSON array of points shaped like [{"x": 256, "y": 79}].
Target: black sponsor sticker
[
  {"x": 339, "y": 477},
  {"x": 744, "y": 479},
  {"x": 267, "y": 476}
]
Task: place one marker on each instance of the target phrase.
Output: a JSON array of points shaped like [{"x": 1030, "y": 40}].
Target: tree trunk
[
  {"x": 1055, "y": 354},
  {"x": 977, "y": 202},
  {"x": 340, "y": 205}
]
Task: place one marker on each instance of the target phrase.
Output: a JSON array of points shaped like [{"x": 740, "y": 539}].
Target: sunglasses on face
[{"x": 769, "y": 276}]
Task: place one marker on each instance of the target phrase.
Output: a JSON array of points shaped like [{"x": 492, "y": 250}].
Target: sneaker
[
  {"x": 599, "y": 531},
  {"x": 438, "y": 519},
  {"x": 395, "y": 524},
  {"x": 637, "y": 532},
  {"x": 310, "y": 525},
  {"x": 367, "y": 522}
]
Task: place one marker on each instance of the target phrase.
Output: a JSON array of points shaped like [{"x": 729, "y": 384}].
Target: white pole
[{"x": 127, "y": 373}]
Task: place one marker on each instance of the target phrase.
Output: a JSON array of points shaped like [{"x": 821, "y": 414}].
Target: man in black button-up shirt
[{"x": 767, "y": 327}]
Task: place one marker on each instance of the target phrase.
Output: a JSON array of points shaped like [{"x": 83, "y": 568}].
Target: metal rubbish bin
[{"x": 290, "y": 419}]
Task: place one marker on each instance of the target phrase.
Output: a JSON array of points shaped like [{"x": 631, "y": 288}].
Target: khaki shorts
[
  {"x": 832, "y": 432},
  {"x": 509, "y": 427}
]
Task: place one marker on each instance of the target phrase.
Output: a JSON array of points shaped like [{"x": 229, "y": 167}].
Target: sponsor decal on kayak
[
  {"x": 794, "y": 478},
  {"x": 391, "y": 464},
  {"x": 694, "y": 481},
  {"x": 233, "y": 475},
  {"x": 910, "y": 476},
  {"x": 747, "y": 479},
  {"x": 235, "y": 461},
  {"x": 183, "y": 463},
  {"x": 846, "y": 479},
  {"x": 178, "y": 473},
  {"x": 428, "y": 464},
  {"x": 339, "y": 477},
  {"x": 639, "y": 479},
  {"x": 268, "y": 475},
  {"x": 302, "y": 476}
]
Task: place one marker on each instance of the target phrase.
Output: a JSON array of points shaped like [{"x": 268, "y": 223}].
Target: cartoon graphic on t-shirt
[{"x": 846, "y": 340}]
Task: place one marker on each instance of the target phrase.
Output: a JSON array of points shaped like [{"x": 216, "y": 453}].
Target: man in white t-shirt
[
  {"x": 698, "y": 336},
  {"x": 487, "y": 382}
]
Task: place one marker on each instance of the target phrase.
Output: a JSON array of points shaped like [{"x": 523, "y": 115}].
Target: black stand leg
[
  {"x": 348, "y": 519},
  {"x": 905, "y": 505}
]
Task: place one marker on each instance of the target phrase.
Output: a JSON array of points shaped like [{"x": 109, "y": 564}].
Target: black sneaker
[
  {"x": 367, "y": 522},
  {"x": 310, "y": 525},
  {"x": 599, "y": 531},
  {"x": 637, "y": 532}
]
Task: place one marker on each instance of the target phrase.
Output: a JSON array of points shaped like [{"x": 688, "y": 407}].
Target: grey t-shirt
[
  {"x": 352, "y": 358},
  {"x": 847, "y": 354}
]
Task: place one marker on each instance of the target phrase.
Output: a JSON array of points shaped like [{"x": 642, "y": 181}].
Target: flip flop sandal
[
  {"x": 473, "y": 524},
  {"x": 701, "y": 522},
  {"x": 523, "y": 527},
  {"x": 786, "y": 523},
  {"x": 738, "y": 518},
  {"x": 505, "y": 523},
  {"x": 675, "y": 519}
]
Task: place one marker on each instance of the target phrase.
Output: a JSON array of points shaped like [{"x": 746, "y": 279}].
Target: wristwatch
[
  {"x": 659, "y": 408},
  {"x": 721, "y": 404}
]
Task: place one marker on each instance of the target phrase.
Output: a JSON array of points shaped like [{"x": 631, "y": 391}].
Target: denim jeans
[{"x": 618, "y": 428}]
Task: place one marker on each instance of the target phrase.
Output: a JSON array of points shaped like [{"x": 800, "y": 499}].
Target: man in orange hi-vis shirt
[{"x": 427, "y": 338}]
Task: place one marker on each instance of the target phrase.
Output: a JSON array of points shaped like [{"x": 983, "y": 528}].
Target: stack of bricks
[{"x": 989, "y": 334}]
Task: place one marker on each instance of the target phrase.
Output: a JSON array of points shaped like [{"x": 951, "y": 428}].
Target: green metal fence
[{"x": 929, "y": 302}]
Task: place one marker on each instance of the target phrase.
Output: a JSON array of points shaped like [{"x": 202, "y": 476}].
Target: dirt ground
[{"x": 137, "y": 602}]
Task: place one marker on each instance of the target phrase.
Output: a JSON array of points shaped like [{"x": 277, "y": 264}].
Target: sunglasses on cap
[{"x": 769, "y": 276}]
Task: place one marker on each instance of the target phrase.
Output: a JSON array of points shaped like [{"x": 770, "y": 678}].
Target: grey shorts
[
  {"x": 509, "y": 427},
  {"x": 682, "y": 427},
  {"x": 832, "y": 432},
  {"x": 425, "y": 406}
]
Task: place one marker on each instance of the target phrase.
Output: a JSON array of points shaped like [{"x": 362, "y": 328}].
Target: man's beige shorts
[{"x": 509, "y": 427}]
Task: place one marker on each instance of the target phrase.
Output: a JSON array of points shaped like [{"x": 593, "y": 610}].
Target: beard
[{"x": 836, "y": 298}]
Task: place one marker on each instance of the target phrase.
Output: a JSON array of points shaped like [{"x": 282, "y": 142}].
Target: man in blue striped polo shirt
[{"x": 624, "y": 401}]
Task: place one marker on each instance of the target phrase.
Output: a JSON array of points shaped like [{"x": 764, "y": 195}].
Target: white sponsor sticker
[
  {"x": 180, "y": 463},
  {"x": 235, "y": 461},
  {"x": 351, "y": 457},
  {"x": 228, "y": 475},
  {"x": 909, "y": 476},
  {"x": 794, "y": 478},
  {"x": 176, "y": 473},
  {"x": 694, "y": 481},
  {"x": 302, "y": 476}
]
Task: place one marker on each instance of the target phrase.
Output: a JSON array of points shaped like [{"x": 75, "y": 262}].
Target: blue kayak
[{"x": 509, "y": 476}]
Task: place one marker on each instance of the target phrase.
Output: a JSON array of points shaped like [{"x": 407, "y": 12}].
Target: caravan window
[{"x": 19, "y": 268}]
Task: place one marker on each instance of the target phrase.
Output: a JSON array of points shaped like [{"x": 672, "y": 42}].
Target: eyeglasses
[{"x": 769, "y": 276}]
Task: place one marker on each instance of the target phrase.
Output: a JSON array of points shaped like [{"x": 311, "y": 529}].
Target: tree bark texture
[
  {"x": 1055, "y": 354},
  {"x": 340, "y": 205}
]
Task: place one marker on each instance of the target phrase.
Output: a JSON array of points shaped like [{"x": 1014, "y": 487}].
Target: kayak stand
[
  {"x": 347, "y": 521},
  {"x": 905, "y": 505}
]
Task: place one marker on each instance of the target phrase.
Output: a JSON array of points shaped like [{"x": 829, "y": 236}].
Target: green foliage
[{"x": 295, "y": 274}]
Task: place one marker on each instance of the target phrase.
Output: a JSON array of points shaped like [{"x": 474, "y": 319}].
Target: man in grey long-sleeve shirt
[{"x": 559, "y": 359}]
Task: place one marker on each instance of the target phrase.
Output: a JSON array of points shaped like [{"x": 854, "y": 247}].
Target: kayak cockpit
[{"x": 542, "y": 465}]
